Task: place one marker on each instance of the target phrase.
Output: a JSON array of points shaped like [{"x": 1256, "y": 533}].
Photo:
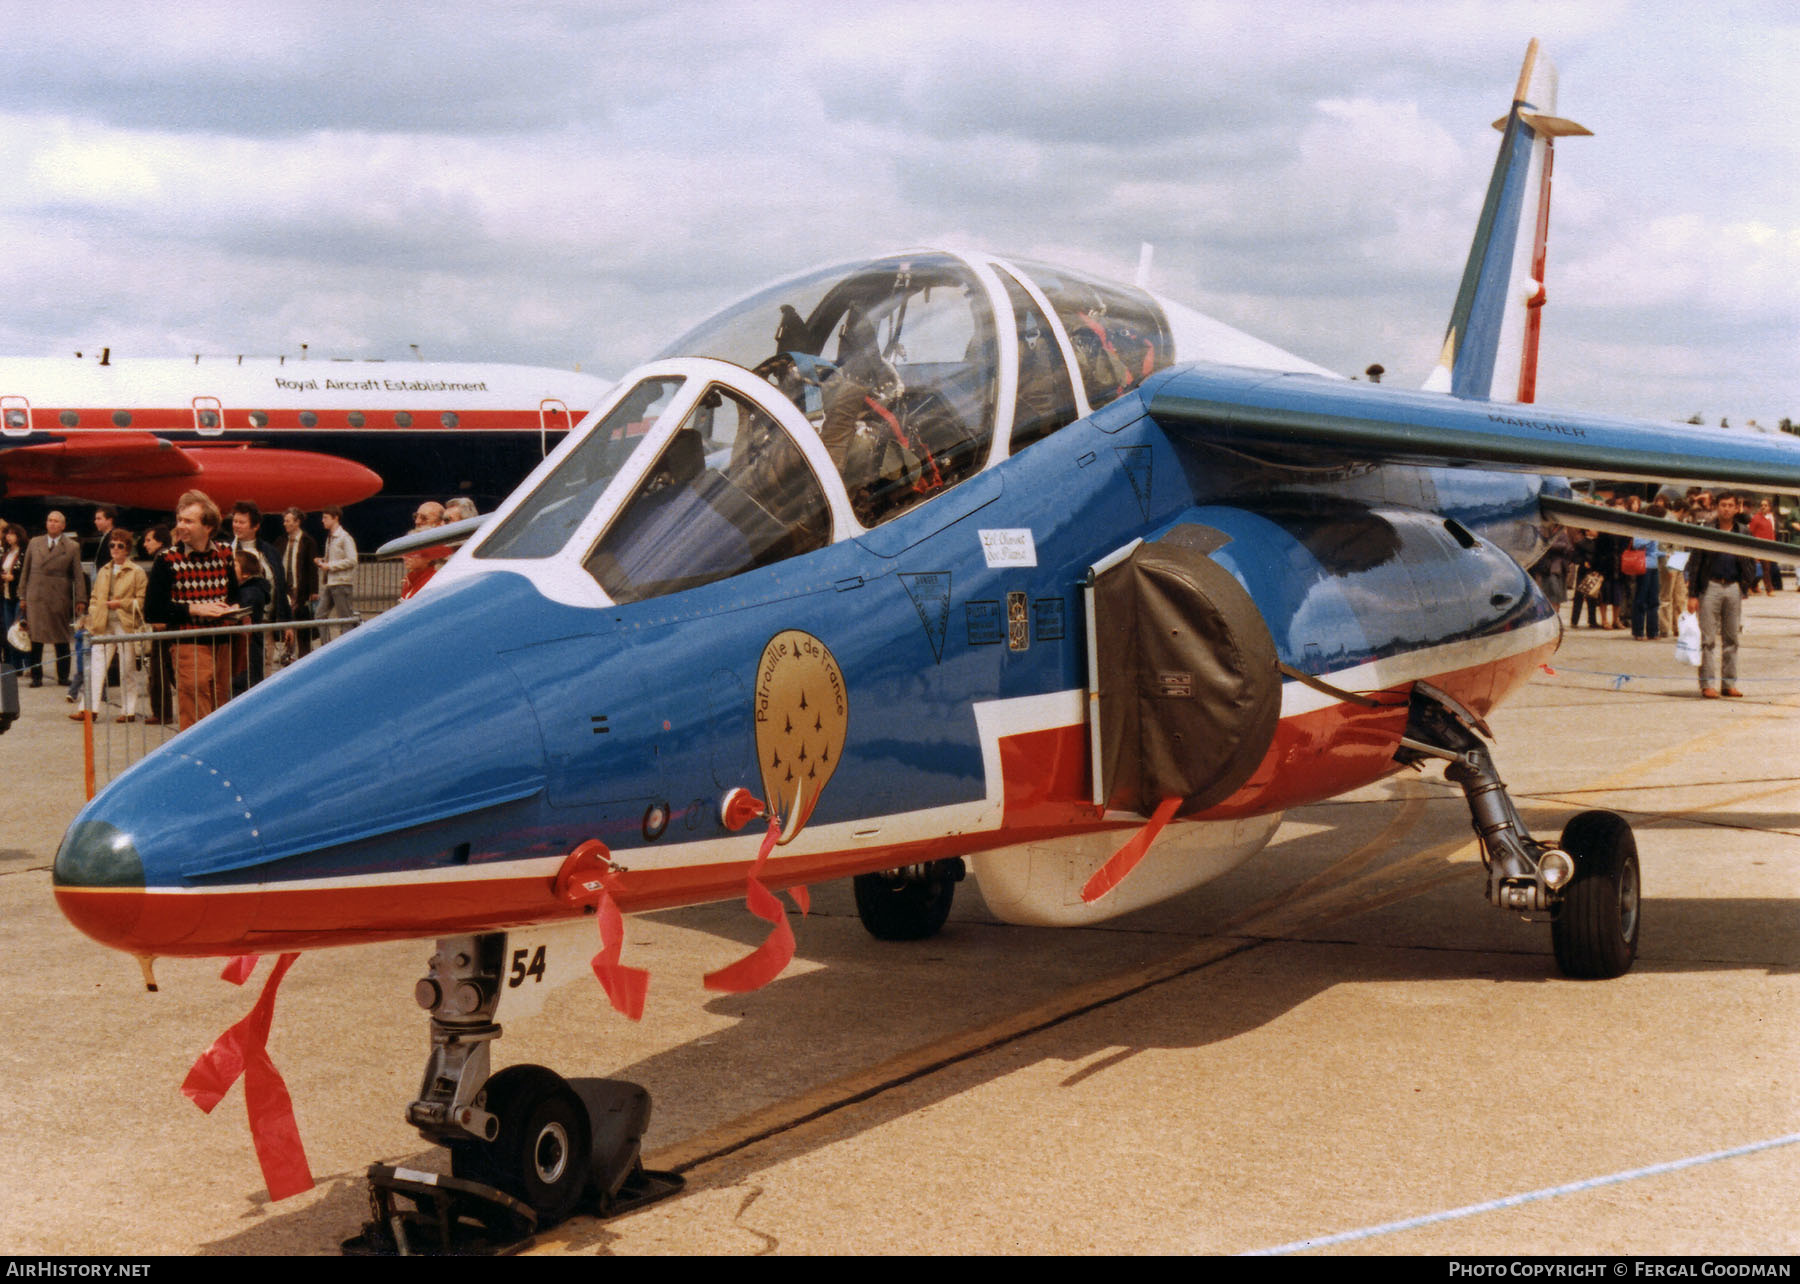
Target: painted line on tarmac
[
  {"x": 1718, "y": 804},
  {"x": 1709, "y": 740},
  {"x": 1412, "y": 809},
  {"x": 1513, "y": 1201},
  {"x": 1643, "y": 819}
]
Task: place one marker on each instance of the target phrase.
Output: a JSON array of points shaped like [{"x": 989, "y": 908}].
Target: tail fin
[{"x": 1490, "y": 348}]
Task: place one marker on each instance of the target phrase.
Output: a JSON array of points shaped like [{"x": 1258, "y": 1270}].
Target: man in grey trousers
[
  {"x": 1718, "y": 583},
  {"x": 337, "y": 592}
]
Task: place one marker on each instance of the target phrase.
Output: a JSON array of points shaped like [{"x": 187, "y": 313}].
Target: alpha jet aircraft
[{"x": 921, "y": 564}]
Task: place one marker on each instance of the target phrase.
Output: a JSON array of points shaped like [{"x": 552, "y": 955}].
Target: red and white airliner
[{"x": 137, "y": 432}]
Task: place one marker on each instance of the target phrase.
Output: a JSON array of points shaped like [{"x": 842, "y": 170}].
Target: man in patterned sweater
[{"x": 193, "y": 585}]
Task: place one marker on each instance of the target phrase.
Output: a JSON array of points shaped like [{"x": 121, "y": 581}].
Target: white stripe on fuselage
[
  {"x": 1411, "y": 666},
  {"x": 995, "y": 720}
]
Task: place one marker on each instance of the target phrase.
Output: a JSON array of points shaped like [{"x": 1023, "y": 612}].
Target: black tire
[
  {"x": 540, "y": 1154},
  {"x": 1595, "y": 931},
  {"x": 893, "y": 908}
]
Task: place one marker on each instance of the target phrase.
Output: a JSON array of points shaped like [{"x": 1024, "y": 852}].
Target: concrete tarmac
[{"x": 1338, "y": 1048}]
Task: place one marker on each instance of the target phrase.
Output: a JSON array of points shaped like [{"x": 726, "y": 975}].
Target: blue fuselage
[{"x": 488, "y": 726}]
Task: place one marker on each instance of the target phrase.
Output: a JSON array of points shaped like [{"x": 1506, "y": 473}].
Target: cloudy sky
[{"x": 566, "y": 184}]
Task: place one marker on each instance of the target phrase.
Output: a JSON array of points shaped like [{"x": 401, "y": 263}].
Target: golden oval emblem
[{"x": 802, "y": 715}]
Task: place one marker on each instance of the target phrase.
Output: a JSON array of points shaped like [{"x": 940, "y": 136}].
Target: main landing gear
[
  {"x": 528, "y": 1147},
  {"x": 1587, "y": 884},
  {"x": 909, "y": 903}
]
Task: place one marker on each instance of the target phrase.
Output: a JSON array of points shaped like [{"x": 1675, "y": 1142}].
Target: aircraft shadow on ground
[
  {"x": 786, "y": 1026},
  {"x": 863, "y": 982}
]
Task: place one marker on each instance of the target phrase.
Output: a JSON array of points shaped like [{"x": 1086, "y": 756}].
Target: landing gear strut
[
  {"x": 1587, "y": 884},
  {"x": 528, "y": 1147}
]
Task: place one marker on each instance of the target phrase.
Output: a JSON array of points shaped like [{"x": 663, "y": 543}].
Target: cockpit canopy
[{"x": 856, "y": 393}]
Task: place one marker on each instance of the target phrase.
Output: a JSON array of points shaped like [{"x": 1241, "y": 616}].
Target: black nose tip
[{"x": 96, "y": 854}]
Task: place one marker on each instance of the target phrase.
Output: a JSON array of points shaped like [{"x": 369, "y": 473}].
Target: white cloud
[
  {"x": 566, "y": 182},
  {"x": 1683, "y": 261}
]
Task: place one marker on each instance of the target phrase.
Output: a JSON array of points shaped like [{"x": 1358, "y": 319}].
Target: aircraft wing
[
  {"x": 58, "y": 467},
  {"x": 1306, "y": 420},
  {"x": 1616, "y": 521}
]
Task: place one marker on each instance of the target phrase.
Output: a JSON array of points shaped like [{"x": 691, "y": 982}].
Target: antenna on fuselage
[{"x": 1146, "y": 252}]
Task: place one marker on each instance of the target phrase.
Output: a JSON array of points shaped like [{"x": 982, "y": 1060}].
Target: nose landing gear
[
  {"x": 528, "y": 1148},
  {"x": 1588, "y": 884}
]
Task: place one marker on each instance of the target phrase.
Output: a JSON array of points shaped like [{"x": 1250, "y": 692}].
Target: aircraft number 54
[{"x": 527, "y": 964}]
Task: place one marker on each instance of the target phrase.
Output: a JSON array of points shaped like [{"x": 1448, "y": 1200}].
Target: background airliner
[{"x": 137, "y": 432}]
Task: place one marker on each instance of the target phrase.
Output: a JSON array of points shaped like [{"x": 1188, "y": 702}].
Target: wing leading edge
[{"x": 1304, "y": 419}]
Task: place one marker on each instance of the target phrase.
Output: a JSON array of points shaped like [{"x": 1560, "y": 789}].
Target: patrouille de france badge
[{"x": 802, "y": 713}]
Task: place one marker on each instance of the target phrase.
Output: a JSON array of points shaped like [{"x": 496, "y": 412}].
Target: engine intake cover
[{"x": 1190, "y": 688}]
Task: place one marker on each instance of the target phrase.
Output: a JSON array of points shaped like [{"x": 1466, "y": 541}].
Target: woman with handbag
[
  {"x": 1587, "y": 580},
  {"x": 1607, "y": 548}
]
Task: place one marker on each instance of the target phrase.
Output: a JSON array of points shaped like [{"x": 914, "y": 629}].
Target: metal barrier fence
[
  {"x": 378, "y": 585},
  {"x": 143, "y": 706}
]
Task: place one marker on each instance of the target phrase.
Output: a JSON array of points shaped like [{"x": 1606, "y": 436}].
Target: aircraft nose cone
[
  {"x": 118, "y": 872},
  {"x": 99, "y": 880},
  {"x": 95, "y": 853},
  {"x": 300, "y": 810}
]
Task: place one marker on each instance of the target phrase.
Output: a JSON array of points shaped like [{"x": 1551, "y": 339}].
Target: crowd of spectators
[
  {"x": 1596, "y": 574},
  {"x": 210, "y": 571},
  {"x": 1623, "y": 581},
  {"x": 202, "y": 570}
]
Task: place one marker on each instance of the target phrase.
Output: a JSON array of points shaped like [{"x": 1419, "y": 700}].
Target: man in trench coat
[{"x": 52, "y": 591}]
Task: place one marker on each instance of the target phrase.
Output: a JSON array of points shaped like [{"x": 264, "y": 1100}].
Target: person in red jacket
[
  {"x": 1762, "y": 525},
  {"x": 423, "y": 564}
]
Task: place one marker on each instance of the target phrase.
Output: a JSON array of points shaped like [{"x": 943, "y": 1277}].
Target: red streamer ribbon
[
  {"x": 763, "y": 964},
  {"x": 243, "y": 1051},
  {"x": 587, "y": 877},
  {"x": 238, "y": 970},
  {"x": 625, "y": 986},
  {"x": 1123, "y": 861}
]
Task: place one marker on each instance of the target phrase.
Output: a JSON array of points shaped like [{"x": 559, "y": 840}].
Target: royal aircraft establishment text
[{"x": 378, "y": 385}]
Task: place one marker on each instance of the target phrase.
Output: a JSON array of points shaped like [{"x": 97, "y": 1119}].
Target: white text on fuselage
[{"x": 378, "y": 385}]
